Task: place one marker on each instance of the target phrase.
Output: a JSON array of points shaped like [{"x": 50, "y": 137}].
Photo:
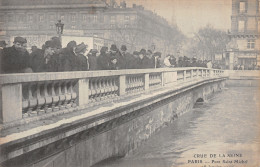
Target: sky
[{"x": 190, "y": 15}]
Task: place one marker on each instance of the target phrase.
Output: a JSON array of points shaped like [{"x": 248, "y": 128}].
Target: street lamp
[{"x": 59, "y": 28}]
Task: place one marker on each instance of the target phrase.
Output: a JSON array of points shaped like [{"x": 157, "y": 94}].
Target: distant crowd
[{"x": 76, "y": 57}]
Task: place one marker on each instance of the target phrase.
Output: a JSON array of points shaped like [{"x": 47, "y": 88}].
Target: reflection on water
[{"x": 226, "y": 125}]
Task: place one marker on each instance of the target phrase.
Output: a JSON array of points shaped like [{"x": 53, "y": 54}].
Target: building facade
[
  {"x": 35, "y": 20},
  {"x": 245, "y": 27}
]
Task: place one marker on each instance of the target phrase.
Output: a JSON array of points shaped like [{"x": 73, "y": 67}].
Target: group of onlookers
[{"x": 76, "y": 57}]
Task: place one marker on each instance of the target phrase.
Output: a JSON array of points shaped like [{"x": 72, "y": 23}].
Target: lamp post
[{"x": 59, "y": 28}]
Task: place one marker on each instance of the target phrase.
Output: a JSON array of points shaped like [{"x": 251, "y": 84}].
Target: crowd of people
[{"x": 75, "y": 57}]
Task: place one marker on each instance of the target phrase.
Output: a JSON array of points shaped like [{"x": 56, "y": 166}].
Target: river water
[{"x": 222, "y": 132}]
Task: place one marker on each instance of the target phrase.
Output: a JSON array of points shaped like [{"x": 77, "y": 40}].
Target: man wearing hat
[
  {"x": 143, "y": 61},
  {"x": 41, "y": 59},
  {"x": 92, "y": 59},
  {"x": 68, "y": 58},
  {"x": 83, "y": 64},
  {"x": 14, "y": 59},
  {"x": 103, "y": 59}
]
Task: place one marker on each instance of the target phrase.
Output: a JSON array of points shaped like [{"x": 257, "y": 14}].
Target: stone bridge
[{"x": 76, "y": 119}]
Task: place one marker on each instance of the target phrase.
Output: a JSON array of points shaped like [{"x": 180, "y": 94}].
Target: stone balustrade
[{"x": 32, "y": 95}]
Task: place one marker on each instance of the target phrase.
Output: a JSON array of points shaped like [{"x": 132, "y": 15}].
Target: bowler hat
[
  {"x": 113, "y": 47},
  {"x": 142, "y": 51},
  {"x": 50, "y": 44},
  {"x": 81, "y": 48},
  {"x": 56, "y": 42},
  {"x": 20, "y": 40},
  {"x": 123, "y": 48}
]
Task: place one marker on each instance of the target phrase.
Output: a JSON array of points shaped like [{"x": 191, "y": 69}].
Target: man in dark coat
[
  {"x": 92, "y": 59},
  {"x": 133, "y": 60},
  {"x": 68, "y": 58},
  {"x": 2, "y": 46},
  {"x": 15, "y": 59},
  {"x": 150, "y": 57},
  {"x": 40, "y": 59},
  {"x": 103, "y": 59},
  {"x": 143, "y": 61},
  {"x": 83, "y": 64}
]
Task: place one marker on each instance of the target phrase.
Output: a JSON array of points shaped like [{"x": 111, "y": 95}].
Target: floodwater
[{"x": 222, "y": 132}]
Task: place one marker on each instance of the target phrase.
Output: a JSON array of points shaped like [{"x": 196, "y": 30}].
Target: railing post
[
  {"x": 211, "y": 73},
  {"x": 184, "y": 75},
  {"x": 11, "y": 102},
  {"x": 162, "y": 79},
  {"x": 83, "y": 91},
  {"x": 146, "y": 81},
  {"x": 122, "y": 85}
]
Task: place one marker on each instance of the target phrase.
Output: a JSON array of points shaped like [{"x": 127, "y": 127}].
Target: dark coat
[
  {"x": 144, "y": 63},
  {"x": 14, "y": 61},
  {"x": 68, "y": 60},
  {"x": 103, "y": 61},
  {"x": 83, "y": 64},
  {"x": 132, "y": 62},
  {"x": 92, "y": 59}
]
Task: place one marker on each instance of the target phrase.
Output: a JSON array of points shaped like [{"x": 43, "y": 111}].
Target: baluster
[
  {"x": 25, "y": 100},
  {"x": 92, "y": 91},
  {"x": 74, "y": 94},
  {"x": 68, "y": 95},
  {"x": 115, "y": 87},
  {"x": 55, "y": 98},
  {"x": 61, "y": 94},
  {"x": 32, "y": 101},
  {"x": 40, "y": 100},
  {"x": 48, "y": 98}
]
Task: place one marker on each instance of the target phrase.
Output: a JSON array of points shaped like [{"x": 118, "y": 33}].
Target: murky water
[{"x": 224, "y": 128}]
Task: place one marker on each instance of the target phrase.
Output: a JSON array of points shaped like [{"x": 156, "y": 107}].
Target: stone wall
[{"x": 126, "y": 133}]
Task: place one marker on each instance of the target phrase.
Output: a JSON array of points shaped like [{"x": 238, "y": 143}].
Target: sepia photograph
[{"x": 129, "y": 83}]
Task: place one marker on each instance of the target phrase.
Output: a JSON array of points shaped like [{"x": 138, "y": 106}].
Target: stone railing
[{"x": 33, "y": 95}]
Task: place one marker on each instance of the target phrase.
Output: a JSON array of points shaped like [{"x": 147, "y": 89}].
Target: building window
[
  {"x": 21, "y": 18},
  {"x": 30, "y": 17},
  {"x": 73, "y": 27},
  {"x": 73, "y": 17},
  {"x": 84, "y": 17},
  {"x": 62, "y": 17},
  {"x": 242, "y": 7},
  {"x": 127, "y": 18},
  {"x": 250, "y": 44},
  {"x": 95, "y": 18},
  {"x": 41, "y": 17},
  {"x": 112, "y": 26},
  {"x": 241, "y": 26},
  {"x": 112, "y": 19}
]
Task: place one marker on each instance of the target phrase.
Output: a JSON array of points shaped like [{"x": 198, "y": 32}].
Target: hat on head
[
  {"x": 157, "y": 54},
  {"x": 123, "y": 48},
  {"x": 104, "y": 49},
  {"x": 113, "y": 47},
  {"x": 94, "y": 51},
  {"x": 81, "y": 48},
  {"x": 56, "y": 42},
  {"x": 71, "y": 44},
  {"x": 20, "y": 40},
  {"x": 3, "y": 43},
  {"x": 50, "y": 44},
  {"x": 142, "y": 51}
]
